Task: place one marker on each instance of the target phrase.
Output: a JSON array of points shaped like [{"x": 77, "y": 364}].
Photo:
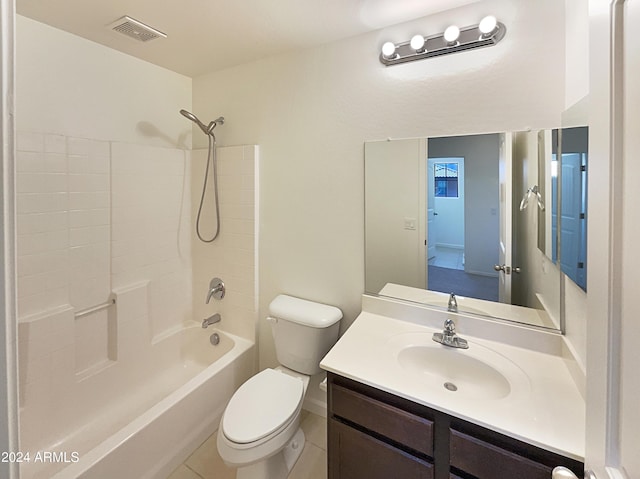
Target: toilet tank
[{"x": 303, "y": 331}]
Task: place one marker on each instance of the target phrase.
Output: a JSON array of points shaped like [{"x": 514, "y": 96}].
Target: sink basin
[{"x": 478, "y": 372}]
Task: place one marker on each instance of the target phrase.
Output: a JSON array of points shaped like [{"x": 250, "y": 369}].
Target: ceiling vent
[{"x": 136, "y": 29}]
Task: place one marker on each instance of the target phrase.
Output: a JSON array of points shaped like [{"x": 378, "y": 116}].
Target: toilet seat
[{"x": 262, "y": 407}]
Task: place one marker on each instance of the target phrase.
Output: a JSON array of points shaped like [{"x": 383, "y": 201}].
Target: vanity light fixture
[
  {"x": 451, "y": 35},
  {"x": 417, "y": 43},
  {"x": 454, "y": 39},
  {"x": 389, "y": 51},
  {"x": 487, "y": 25}
]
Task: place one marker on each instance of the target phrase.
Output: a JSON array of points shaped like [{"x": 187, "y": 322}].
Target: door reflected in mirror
[
  {"x": 563, "y": 159},
  {"x": 574, "y": 152},
  {"x": 440, "y": 219}
]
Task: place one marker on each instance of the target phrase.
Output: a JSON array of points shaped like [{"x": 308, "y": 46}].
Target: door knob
[
  {"x": 504, "y": 268},
  {"x": 561, "y": 472}
]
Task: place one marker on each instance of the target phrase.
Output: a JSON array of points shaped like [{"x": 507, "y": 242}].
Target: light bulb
[
  {"x": 451, "y": 34},
  {"x": 388, "y": 50},
  {"x": 417, "y": 42},
  {"x": 488, "y": 24}
]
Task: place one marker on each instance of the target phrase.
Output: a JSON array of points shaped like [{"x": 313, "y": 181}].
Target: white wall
[
  {"x": 311, "y": 112},
  {"x": 576, "y": 51},
  {"x": 630, "y": 326},
  {"x": 71, "y": 86},
  {"x": 392, "y": 197}
]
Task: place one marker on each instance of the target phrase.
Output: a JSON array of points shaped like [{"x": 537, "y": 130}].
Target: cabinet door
[
  {"x": 412, "y": 431},
  {"x": 487, "y": 461},
  {"x": 355, "y": 455}
]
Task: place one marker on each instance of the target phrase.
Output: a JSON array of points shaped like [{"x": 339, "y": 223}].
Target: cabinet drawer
[
  {"x": 389, "y": 421},
  {"x": 356, "y": 455},
  {"x": 487, "y": 461}
]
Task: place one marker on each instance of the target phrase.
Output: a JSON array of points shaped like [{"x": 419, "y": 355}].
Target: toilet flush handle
[{"x": 273, "y": 322}]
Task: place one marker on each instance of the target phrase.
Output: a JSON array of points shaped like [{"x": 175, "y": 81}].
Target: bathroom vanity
[
  {"x": 403, "y": 406},
  {"x": 373, "y": 434}
]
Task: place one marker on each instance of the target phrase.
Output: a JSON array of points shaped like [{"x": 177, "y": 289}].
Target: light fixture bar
[{"x": 435, "y": 45}]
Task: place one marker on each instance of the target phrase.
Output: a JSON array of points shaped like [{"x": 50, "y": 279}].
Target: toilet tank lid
[{"x": 302, "y": 311}]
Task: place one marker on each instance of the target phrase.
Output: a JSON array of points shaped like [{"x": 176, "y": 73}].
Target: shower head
[
  {"x": 193, "y": 118},
  {"x": 207, "y": 129}
]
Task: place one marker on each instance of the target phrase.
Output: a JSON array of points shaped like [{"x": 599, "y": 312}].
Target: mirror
[
  {"x": 548, "y": 176},
  {"x": 563, "y": 158},
  {"x": 572, "y": 175},
  {"x": 442, "y": 216}
]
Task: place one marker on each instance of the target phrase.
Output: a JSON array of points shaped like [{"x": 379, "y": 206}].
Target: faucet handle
[
  {"x": 216, "y": 289},
  {"x": 449, "y": 326}
]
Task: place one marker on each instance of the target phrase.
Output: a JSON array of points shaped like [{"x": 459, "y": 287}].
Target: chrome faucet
[
  {"x": 216, "y": 289},
  {"x": 452, "y": 305},
  {"x": 216, "y": 318},
  {"x": 448, "y": 337}
]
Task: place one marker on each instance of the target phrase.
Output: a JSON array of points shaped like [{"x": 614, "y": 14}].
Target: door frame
[{"x": 9, "y": 406}]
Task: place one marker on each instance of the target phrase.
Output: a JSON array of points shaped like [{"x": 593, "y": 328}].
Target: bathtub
[{"x": 149, "y": 413}]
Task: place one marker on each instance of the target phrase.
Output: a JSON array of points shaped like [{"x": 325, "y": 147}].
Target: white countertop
[{"x": 547, "y": 411}]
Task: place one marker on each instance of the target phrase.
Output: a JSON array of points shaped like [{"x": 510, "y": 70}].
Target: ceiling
[{"x": 208, "y": 35}]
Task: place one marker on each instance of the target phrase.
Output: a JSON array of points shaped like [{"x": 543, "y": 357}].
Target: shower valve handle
[{"x": 216, "y": 289}]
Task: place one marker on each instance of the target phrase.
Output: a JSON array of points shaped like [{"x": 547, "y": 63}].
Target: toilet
[{"x": 260, "y": 430}]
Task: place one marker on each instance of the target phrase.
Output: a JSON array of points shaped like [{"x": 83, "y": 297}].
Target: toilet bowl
[{"x": 260, "y": 432}]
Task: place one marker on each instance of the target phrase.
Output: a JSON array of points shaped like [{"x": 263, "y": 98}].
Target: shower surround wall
[
  {"x": 105, "y": 212},
  {"x": 233, "y": 255},
  {"x": 101, "y": 221},
  {"x": 96, "y": 221}
]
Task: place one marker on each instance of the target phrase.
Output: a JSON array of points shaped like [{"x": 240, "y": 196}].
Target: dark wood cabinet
[
  {"x": 358, "y": 455},
  {"x": 376, "y": 435}
]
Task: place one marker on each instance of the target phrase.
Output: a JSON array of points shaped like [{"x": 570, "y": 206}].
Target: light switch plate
[{"x": 410, "y": 223}]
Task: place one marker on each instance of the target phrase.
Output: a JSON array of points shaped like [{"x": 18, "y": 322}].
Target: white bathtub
[{"x": 150, "y": 413}]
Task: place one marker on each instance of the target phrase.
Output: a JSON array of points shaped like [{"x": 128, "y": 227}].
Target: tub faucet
[
  {"x": 216, "y": 318},
  {"x": 452, "y": 305},
  {"x": 448, "y": 337}
]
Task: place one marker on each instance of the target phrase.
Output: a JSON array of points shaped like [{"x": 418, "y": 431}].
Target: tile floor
[
  {"x": 451, "y": 258},
  {"x": 205, "y": 463}
]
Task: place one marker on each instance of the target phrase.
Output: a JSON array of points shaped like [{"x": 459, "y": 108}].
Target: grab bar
[{"x": 93, "y": 309}]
